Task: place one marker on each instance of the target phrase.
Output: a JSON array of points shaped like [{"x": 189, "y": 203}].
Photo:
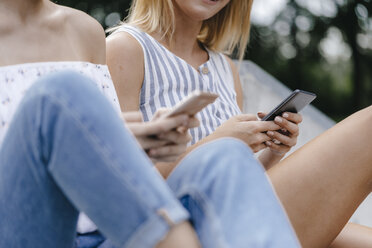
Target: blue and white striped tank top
[{"x": 168, "y": 79}]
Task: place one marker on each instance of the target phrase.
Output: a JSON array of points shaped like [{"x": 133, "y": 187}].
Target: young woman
[
  {"x": 64, "y": 149},
  {"x": 169, "y": 48}
]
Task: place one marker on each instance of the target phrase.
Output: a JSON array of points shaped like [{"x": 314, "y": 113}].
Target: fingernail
[
  {"x": 152, "y": 152},
  {"x": 270, "y": 133},
  {"x": 285, "y": 115},
  {"x": 268, "y": 143},
  {"x": 278, "y": 119}
]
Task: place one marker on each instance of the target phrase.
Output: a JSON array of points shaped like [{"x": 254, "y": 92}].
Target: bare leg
[
  {"x": 355, "y": 236},
  {"x": 180, "y": 236},
  {"x": 322, "y": 184}
]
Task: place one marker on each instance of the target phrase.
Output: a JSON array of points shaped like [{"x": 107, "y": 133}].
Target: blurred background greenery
[{"x": 324, "y": 46}]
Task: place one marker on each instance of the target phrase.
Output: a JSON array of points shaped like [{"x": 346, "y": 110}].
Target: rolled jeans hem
[{"x": 157, "y": 226}]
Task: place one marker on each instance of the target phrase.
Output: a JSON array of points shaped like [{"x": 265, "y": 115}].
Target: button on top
[{"x": 205, "y": 70}]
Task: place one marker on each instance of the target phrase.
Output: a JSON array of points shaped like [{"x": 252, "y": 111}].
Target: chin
[{"x": 200, "y": 10}]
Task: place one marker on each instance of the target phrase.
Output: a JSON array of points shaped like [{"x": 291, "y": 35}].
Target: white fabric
[{"x": 15, "y": 80}]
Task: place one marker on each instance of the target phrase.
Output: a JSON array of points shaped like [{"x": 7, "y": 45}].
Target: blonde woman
[{"x": 168, "y": 48}]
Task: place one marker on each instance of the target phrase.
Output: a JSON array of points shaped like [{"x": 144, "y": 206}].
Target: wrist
[
  {"x": 268, "y": 158},
  {"x": 277, "y": 154}
]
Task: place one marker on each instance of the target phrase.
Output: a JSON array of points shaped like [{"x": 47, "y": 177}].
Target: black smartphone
[{"x": 294, "y": 103}]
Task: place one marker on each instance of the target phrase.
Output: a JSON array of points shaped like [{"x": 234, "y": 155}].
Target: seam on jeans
[
  {"x": 31, "y": 162},
  {"x": 203, "y": 201},
  {"x": 139, "y": 233},
  {"x": 111, "y": 163}
]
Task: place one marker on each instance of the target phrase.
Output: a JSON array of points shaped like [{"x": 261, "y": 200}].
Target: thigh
[{"x": 321, "y": 184}]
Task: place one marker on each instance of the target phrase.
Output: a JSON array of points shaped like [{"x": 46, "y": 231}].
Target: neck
[
  {"x": 22, "y": 8},
  {"x": 184, "y": 40},
  {"x": 185, "y": 35}
]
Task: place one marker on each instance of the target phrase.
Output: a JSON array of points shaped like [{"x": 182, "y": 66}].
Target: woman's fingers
[
  {"x": 160, "y": 112},
  {"x": 149, "y": 142},
  {"x": 260, "y": 138},
  {"x": 134, "y": 116},
  {"x": 193, "y": 122},
  {"x": 167, "y": 151},
  {"x": 278, "y": 149},
  {"x": 245, "y": 117},
  {"x": 281, "y": 138},
  {"x": 261, "y": 114},
  {"x": 258, "y": 126},
  {"x": 175, "y": 137},
  {"x": 289, "y": 126},
  {"x": 160, "y": 125},
  {"x": 293, "y": 117}
]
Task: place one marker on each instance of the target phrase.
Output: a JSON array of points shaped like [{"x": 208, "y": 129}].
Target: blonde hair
[{"x": 227, "y": 30}]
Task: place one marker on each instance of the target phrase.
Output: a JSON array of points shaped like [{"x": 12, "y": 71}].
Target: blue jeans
[
  {"x": 68, "y": 151},
  {"x": 229, "y": 198}
]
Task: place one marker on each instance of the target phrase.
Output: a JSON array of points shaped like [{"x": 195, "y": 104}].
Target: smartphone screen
[{"x": 294, "y": 103}]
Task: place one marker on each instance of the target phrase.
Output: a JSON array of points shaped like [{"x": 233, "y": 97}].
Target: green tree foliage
[
  {"x": 326, "y": 49},
  {"x": 107, "y": 12}
]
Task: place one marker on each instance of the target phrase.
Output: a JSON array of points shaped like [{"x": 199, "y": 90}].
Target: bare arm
[
  {"x": 274, "y": 153},
  {"x": 126, "y": 64},
  {"x": 267, "y": 158}
]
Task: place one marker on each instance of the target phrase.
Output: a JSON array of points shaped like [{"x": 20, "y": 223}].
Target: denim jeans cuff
[{"x": 157, "y": 226}]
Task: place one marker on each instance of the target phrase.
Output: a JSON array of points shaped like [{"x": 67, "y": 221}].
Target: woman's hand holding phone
[
  {"x": 175, "y": 139},
  {"x": 247, "y": 128},
  {"x": 285, "y": 138},
  {"x": 163, "y": 139},
  {"x": 285, "y": 114}
]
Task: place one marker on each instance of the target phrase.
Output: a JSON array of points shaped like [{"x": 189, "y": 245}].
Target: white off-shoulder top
[{"x": 15, "y": 80}]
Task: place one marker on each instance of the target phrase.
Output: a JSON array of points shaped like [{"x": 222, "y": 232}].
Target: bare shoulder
[
  {"x": 86, "y": 32},
  {"x": 125, "y": 59},
  {"x": 122, "y": 44},
  {"x": 124, "y": 51},
  {"x": 86, "y": 25}
]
